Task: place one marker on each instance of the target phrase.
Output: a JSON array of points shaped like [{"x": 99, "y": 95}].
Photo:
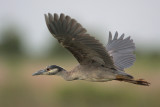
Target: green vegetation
[
  {"x": 10, "y": 45},
  {"x": 93, "y": 96},
  {"x": 20, "y": 89}
]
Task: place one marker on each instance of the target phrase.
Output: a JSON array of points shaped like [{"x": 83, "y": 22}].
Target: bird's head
[{"x": 50, "y": 70}]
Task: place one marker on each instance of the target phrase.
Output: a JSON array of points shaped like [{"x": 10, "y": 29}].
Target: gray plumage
[
  {"x": 121, "y": 50},
  {"x": 73, "y": 36},
  {"x": 97, "y": 63}
]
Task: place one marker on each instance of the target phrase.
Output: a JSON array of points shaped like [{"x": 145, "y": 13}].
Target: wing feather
[
  {"x": 85, "y": 48},
  {"x": 121, "y": 50}
]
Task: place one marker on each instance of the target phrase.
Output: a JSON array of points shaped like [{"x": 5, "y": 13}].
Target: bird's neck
[{"x": 67, "y": 75}]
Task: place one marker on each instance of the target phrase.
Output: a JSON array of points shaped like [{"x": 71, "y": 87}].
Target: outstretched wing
[
  {"x": 121, "y": 50},
  {"x": 85, "y": 48}
]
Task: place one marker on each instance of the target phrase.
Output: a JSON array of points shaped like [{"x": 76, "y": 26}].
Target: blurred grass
[
  {"x": 20, "y": 89},
  {"x": 92, "y": 96}
]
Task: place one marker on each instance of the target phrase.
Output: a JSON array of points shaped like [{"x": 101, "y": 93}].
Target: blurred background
[{"x": 27, "y": 46}]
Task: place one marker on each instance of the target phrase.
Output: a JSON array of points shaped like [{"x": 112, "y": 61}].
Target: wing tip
[{"x": 63, "y": 24}]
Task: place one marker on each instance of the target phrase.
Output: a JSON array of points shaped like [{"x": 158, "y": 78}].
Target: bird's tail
[{"x": 132, "y": 80}]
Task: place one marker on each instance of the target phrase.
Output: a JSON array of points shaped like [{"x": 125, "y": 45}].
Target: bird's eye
[{"x": 48, "y": 69}]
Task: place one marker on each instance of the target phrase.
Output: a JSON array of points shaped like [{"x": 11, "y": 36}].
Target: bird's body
[
  {"x": 97, "y": 63},
  {"x": 90, "y": 73}
]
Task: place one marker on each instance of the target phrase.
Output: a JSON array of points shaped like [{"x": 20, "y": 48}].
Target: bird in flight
[{"x": 96, "y": 62}]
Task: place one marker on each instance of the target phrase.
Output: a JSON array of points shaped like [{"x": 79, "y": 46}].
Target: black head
[
  {"x": 50, "y": 70},
  {"x": 53, "y": 69}
]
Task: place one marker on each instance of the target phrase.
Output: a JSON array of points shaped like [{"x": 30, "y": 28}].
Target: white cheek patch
[{"x": 53, "y": 71}]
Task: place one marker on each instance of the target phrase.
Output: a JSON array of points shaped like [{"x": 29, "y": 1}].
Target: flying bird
[{"x": 96, "y": 62}]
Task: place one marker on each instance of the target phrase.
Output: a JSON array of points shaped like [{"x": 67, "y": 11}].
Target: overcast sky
[{"x": 138, "y": 18}]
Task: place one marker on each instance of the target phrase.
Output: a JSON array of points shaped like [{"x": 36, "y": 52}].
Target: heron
[{"x": 97, "y": 63}]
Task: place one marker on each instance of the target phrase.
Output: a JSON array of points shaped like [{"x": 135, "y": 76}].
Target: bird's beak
[{"x": 40, "y": 72}]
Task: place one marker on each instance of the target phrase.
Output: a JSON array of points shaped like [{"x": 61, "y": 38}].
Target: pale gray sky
[{"x": 138, "y": 18}]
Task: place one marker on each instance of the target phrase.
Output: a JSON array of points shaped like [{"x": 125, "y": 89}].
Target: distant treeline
[{"x": 11, "y": 45}]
